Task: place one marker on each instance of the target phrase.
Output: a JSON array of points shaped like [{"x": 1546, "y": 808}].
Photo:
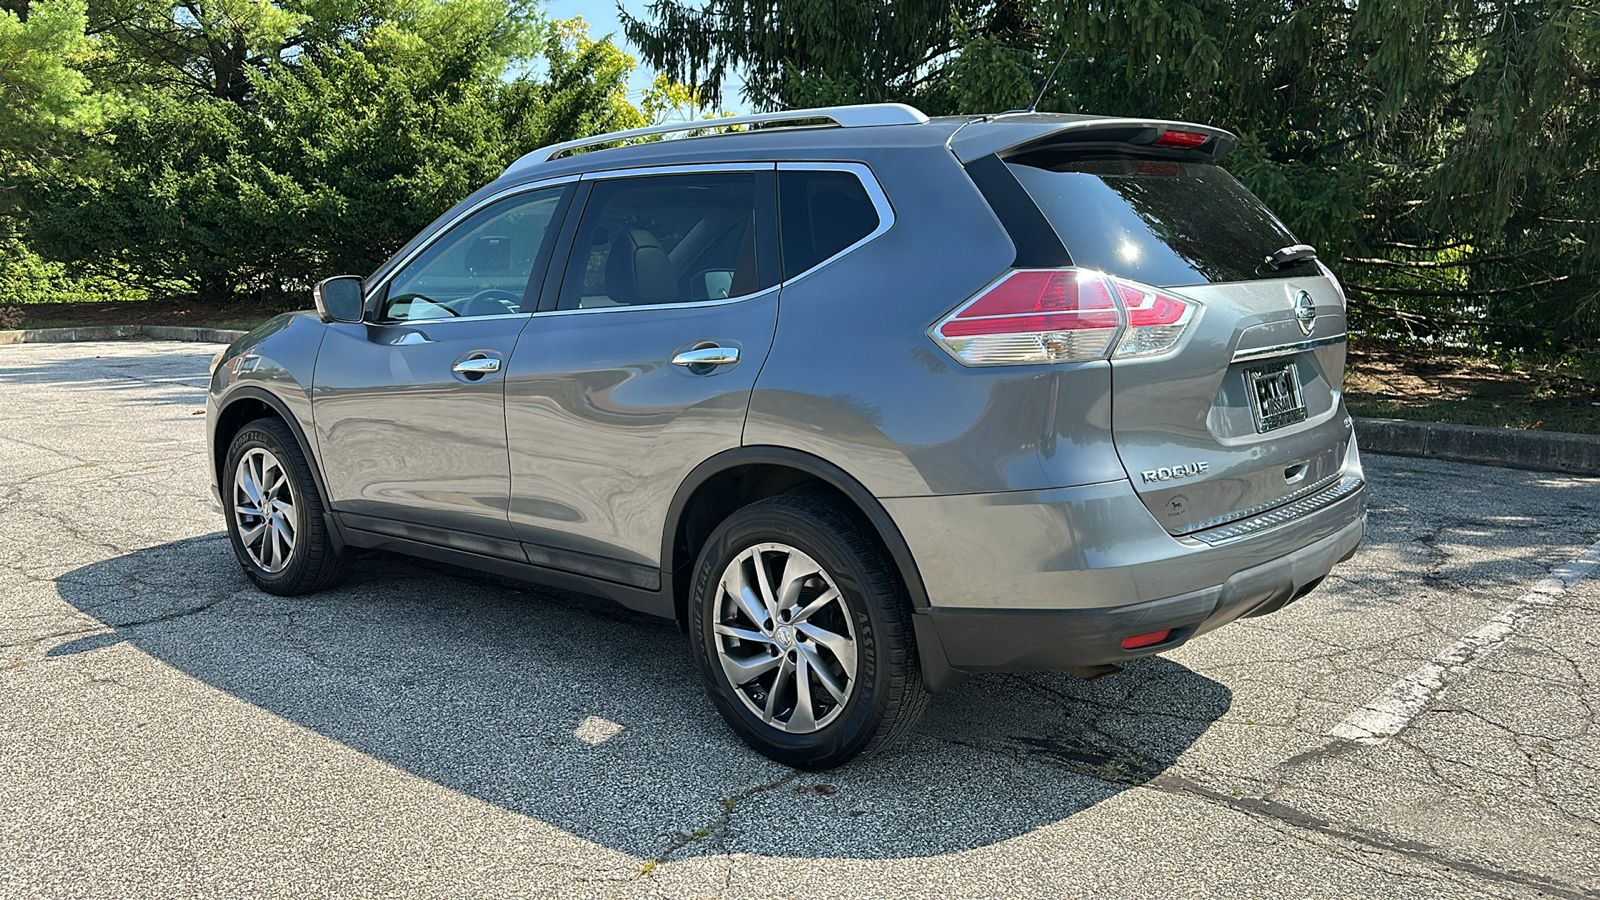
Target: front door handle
[
  {"x": 476, "y": 366},
  {"x": 707, "y": 356}
]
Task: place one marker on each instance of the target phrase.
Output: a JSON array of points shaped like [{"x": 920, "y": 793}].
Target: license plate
[{"x": 1275, "y": 396}]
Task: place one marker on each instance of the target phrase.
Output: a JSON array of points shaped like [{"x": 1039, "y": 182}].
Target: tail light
[{"x": 1035, "y": 316}]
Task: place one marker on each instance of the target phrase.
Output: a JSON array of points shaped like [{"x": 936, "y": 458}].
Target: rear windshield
[{"x": 1162, "y": 223}]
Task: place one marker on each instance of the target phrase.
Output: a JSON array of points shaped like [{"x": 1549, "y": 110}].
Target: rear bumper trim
[{"x": 1348, "y": 485}]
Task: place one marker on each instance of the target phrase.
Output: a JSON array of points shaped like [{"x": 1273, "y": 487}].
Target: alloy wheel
[
  {"x": 264, "y": 509},
  {"x": 784, "y": 638}
]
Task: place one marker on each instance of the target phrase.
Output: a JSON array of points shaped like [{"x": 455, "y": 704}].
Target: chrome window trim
[
  {"x": 1294, "y": 347},
  {"x": 683, "y": 169},
  {"x": 875, "y": 193},
  {"x": 450, "y": 226},
  {"x": 692, "y": 304},
  {"x": 443, "y": 320}
]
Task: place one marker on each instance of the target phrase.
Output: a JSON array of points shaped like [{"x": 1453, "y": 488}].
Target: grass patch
[{"x": 1388, "y": 381}]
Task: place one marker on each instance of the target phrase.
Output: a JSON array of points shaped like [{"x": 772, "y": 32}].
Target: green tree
[
  {"x": 1439, "y": 152},
  {"x": 49, "y": 112},
  {"x": 265, "y": 145}
]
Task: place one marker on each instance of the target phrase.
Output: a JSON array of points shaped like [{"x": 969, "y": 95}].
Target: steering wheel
[{"x": 504, "y": 302}]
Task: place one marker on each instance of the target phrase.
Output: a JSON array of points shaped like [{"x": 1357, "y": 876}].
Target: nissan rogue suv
[{"x": 866, "y": 401}]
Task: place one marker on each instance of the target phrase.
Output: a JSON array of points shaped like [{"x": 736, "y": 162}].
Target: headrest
[{"x": 638, "y": 271}]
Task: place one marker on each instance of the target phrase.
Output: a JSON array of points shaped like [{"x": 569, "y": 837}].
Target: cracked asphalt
[{"x": 167, "y": 731}]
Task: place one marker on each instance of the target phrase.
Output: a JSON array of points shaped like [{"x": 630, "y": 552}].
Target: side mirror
[
  {"x": 339, "y": 299},
  {"x": 717, "y": 284}
]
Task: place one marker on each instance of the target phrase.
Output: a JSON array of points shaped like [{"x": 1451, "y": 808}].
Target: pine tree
[{"x": 1439, "y": 152}]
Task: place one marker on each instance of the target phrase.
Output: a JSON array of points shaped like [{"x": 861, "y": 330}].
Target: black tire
[
  {"x": 886, "y": 694},
  {"x": 314, "y": 562}
]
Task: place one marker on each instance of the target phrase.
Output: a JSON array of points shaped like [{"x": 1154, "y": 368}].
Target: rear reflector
[
  {"x": 1034, "y": 316},
  {"x": 1184, "y": 139},
  {"x": 1146, "y": 640}
]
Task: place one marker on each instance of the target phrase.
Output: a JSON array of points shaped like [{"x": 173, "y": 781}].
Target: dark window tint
[
  {"x": 481, "y": 267},
  {"x": 660, "y": 239},
  {"x": 1162, "y": 223},
  {"x": 821, "y": 213}
]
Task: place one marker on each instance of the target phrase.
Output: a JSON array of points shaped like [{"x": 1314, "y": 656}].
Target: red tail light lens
[
  {"x": 1182, "y": 139},
  {"x": 1156, "y": 320},
  {"x": 1035, "y": 316}
]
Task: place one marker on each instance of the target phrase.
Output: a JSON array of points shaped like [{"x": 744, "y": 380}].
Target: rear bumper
[
  {"x": 1045, "y": 580},
  {"x": 1021, "y": 640}
]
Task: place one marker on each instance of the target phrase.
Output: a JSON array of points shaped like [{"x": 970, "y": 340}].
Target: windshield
[{"x": 1166, "y": 224}]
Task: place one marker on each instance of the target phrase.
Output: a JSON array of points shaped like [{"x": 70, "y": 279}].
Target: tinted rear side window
[
  {"x": 662, "y": 239},
  {"x": 821, "y": 213},
  {"x": 1162, "y": 223}
]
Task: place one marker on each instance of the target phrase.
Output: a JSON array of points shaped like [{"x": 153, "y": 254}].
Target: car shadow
[{"x": 583, "y": 715}]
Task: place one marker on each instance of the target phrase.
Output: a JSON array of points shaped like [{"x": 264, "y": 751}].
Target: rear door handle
[
  {"x": 478, "y": 365},
  {"x": 707, "y": 356}
]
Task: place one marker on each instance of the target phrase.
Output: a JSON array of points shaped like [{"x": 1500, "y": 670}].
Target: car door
[
  {"x": 409, "y": 405},
  {"x": 641, "y": 366}
]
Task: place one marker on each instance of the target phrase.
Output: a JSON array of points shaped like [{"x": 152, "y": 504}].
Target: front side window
[
  {"x": 662, "y": 239},
  {"x": 482, "y": 266}
]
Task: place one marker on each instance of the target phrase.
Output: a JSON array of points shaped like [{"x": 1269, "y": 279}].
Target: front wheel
[
  {"x": 802, "y": 632},
  {"x": 276, "y": 519}
]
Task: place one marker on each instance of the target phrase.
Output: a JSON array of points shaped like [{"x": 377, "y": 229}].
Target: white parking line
[{"x": 1390, "y": 712}]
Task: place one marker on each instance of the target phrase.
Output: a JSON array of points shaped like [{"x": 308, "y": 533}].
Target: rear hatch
[{"x": 1244, "y": 414}]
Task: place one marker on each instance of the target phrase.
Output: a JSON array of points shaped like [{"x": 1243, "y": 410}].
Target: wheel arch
[
  {"x": 249, "y": 404},
  {"x": 744, "y": 475}
]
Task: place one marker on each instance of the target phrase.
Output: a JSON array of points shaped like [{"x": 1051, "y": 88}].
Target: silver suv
[{"x": 866, "y": 401}]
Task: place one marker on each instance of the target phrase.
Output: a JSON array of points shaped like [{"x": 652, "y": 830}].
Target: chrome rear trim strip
[
  {"x": 1283, "y": 515},
  {"x": 1236, "y": 515},
  {"x": 1296, "y": 347}
]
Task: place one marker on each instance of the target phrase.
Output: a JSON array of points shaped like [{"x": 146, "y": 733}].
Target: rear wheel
[
  {"x": 802, "y": 632},
  {"x": 276, "y": 520}
]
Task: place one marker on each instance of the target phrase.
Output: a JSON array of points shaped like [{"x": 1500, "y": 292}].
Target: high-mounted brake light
[
  {"x": 1183, "y": 139},
  {"x": 1035, "y": 316}
]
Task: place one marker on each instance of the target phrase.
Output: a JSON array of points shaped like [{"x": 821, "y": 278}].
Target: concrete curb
[
  {"x": 1545, "y": 451},
  {"x": 120, "y": 332}
]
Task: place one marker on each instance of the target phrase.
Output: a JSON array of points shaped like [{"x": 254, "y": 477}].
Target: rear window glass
[
  {"x": 821, "y": 213},
  {"x": 1162, "y": 223}
]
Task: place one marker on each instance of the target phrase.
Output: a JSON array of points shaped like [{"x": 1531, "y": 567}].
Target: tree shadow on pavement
[
  {"x": 512, "y": 694},
  {"x": 145, "y": 373}
]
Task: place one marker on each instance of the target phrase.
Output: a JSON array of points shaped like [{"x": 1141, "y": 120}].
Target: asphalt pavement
[{"x": 168, "y": 731}]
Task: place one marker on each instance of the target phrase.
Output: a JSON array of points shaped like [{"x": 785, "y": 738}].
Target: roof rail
[{"x": 842, "y": 116}]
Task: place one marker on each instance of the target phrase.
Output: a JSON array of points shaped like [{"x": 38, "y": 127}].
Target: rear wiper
[{"x": 1288, "y": 256}]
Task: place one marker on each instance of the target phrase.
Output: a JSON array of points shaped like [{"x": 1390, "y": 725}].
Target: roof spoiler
[{"x": 1013, "y": 135}]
